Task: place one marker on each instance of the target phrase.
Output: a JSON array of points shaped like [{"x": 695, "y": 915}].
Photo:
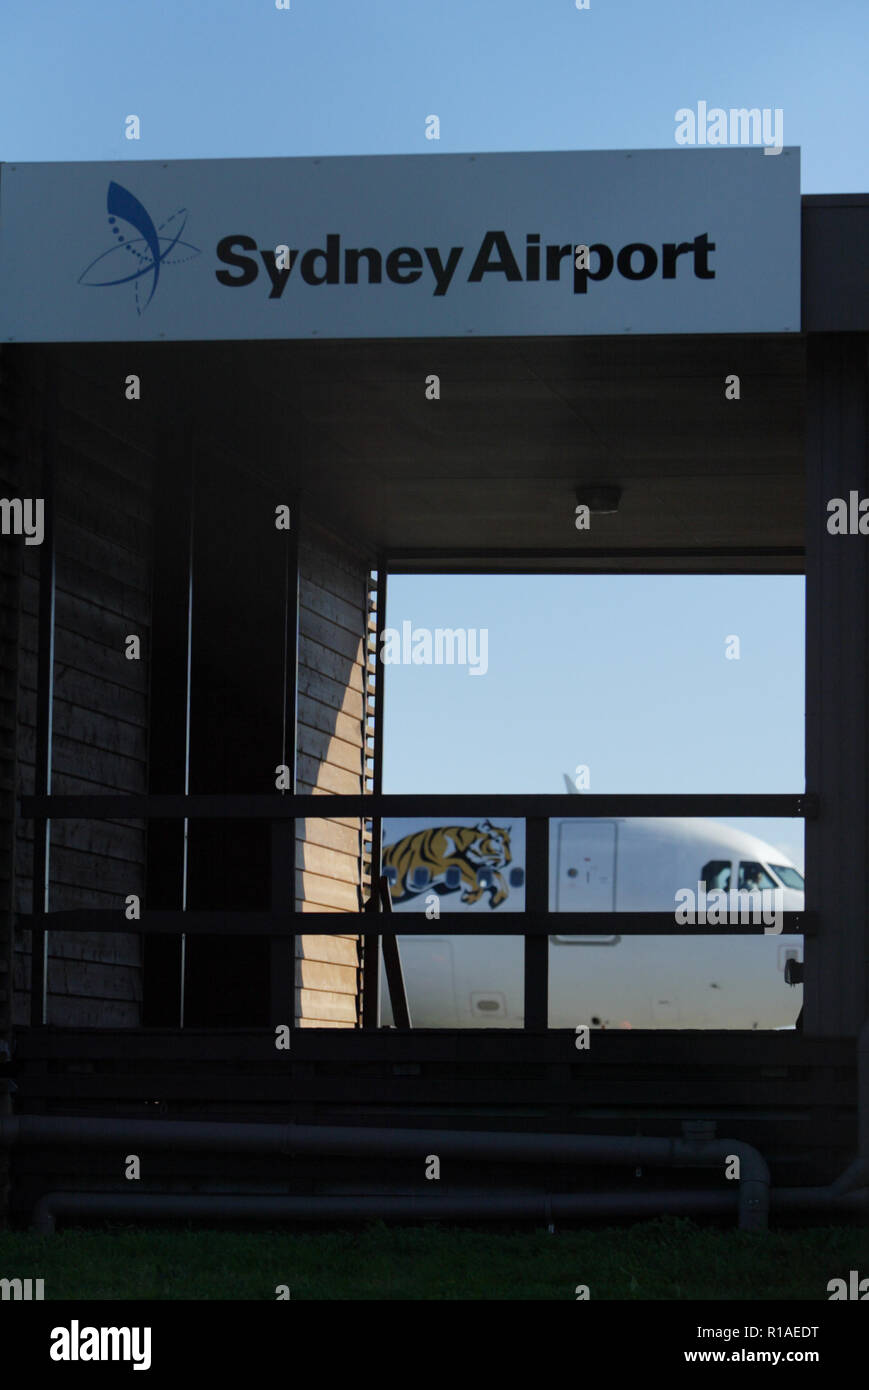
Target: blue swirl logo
[{"x": 152, "y": 248}]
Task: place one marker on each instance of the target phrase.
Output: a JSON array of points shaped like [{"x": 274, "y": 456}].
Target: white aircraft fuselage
[{"x": 682, "y": 980}]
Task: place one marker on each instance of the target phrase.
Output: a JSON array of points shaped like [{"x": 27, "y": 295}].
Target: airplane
[{"x": 617, "y": 864}]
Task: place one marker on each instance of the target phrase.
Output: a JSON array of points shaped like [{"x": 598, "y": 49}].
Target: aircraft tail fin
[{"x": 570, "y": 786}]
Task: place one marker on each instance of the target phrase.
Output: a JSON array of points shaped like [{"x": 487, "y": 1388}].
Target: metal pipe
[
  {"x": 850, "y": 1192},
  {"x": 357, "y": 1141},
  {"x": 752, "y": 1199},
  {"x": 527, "y": 1206}
]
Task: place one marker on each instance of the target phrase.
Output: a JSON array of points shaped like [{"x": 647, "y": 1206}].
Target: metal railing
[{"x": 282, "y": 922}]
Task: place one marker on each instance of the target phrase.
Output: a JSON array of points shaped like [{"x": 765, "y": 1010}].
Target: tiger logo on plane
[{"x": 449, "y": 858}]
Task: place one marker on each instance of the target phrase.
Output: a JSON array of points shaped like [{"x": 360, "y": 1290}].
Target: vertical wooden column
[
  {"x": 169, "y": 712},
  {"x": 12, "y": 467},
  {"x": 282, "y": 957},
  {"x": 537, "y": 947},
  {"x": 836, "y": 980},
  {"x": 282, "y": 963},
  {"x": 44, "y": 699}
]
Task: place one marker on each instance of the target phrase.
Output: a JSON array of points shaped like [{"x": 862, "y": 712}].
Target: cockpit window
[
  {"x": 753, "y": 877},
  {"x": 716, "y": 876},
  {"x": 791, "y": 878}
]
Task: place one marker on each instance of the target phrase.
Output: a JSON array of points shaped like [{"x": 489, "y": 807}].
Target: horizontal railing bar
[
  {"x": 280, "y": 806},
  {"x": 243, "y": 923}
]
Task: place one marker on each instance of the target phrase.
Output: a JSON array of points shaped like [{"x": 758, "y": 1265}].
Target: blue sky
[
  {"x": 625, "y": 674},
  {"x": 223, "y": 78},
  {"x": 628, "y": 676}
]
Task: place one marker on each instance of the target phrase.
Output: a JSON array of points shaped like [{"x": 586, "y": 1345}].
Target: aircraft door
[{"x": 585, "y": 879}]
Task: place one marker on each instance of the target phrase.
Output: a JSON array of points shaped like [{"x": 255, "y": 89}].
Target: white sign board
[{"x": 402, "y": 246}]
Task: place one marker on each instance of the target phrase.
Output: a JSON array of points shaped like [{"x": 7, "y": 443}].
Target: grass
[{"x": 668, "y": 1258}]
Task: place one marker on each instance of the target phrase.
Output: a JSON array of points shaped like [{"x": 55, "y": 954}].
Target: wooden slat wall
[
  {"x": 331, "y": 761},
  {"x": 103, "y": 456}
]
